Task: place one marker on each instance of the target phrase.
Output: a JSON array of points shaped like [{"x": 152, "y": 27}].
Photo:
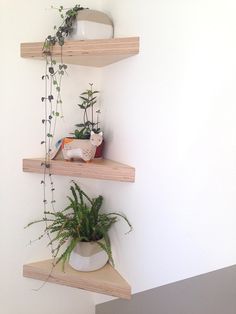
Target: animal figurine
[{"x": 84, "y": 149}]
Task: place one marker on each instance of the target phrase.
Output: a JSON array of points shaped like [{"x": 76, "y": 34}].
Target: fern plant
[{"x": 81, "y": 221}]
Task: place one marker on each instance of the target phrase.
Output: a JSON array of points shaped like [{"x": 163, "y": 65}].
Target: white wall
[
  {"x": 21, "y": 131},
  {"x": 170, "y": 112}
]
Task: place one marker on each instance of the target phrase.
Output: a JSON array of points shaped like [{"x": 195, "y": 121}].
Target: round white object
[
  {"x": 92, "y": 24},
  {"x": 88, "y": 256}
]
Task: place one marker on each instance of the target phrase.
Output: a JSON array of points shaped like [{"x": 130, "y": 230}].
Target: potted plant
[
  {"x": 80, "y": 231},
  {"x": 92, "y": 24},
  {"x": 53, "y": 76},
  {"x": 87, "y": 141},
  {"x": 90, "y": 122},
  {"x": 90, "y": 115}
]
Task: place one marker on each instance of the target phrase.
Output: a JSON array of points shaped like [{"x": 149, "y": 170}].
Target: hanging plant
[
  {"x": 52, "y": 100},
  {"x": 54, "y": 72}
]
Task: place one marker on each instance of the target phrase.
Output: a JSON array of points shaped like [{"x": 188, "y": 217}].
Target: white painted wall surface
[
  {"x": 21, "y": 131},
  {"x": 170, "y": 112}
]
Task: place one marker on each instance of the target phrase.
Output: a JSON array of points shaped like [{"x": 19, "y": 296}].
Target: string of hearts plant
[{"x": 52, "y": 100}]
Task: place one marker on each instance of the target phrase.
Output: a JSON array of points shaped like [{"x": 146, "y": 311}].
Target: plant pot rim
[
  {"x": 88, "y": 248},
  {"x": 102, "y": 239}
]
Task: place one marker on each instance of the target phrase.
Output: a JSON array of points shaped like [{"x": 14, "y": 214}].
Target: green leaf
[
  {"x": 81, "y": 192},
  {"x": 80, "y": 125},
  {"x": 96, "y": 206},
  {"x": 107, "y": 247},
  {"x": 124, "y": 217},
  {"x": 92, "y": 99},
  {"x": 79, "y": 134},
  {"x": 74, "y": 194},
  {"x": 85, "y": 99}
]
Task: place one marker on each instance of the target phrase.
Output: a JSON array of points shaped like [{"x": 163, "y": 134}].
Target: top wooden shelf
[{"x": 96, "y": 53}]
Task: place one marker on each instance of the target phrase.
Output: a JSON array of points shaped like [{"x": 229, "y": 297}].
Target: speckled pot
[
  {"x": 92, "y": 24},
  {"x": 88, "y": 256}
]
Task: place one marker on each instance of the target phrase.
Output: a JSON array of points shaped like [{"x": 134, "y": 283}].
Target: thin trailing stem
[
  {"x": 48, "y": 276},
  {"x": 90, "y": 97},
  {"x": 53, "y": 78},
  {"x": 47, "y": 142}
]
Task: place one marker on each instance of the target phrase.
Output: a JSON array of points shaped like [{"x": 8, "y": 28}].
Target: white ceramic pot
[
  {"x": 88, "y": 256},
  {"x": 92, "y": 24}
]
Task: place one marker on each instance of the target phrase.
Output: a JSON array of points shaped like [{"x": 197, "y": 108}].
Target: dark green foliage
[
  {"x": 89, "y": 99},
  {"x": 80, "y": 221},
  {"x": 51, "y": 70},
  {"x": 64, "y": 30}
]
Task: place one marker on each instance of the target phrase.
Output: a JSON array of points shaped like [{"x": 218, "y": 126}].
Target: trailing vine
[{"x": 52, "y": 100}]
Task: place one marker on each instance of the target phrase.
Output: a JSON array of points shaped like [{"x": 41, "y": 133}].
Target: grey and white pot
[
  {"x": 92, "y": 24},
  {"x": 88, "y": 256}
]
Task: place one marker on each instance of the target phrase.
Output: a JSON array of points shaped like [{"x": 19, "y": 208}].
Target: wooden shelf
[
  {"x": 103, "y": 169},
  {"x": 105, "y": 280},
  {"x": 95, "y": 53}
]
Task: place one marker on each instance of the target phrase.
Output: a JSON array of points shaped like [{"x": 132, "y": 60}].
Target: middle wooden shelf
[{"x": 102, "y": 169}]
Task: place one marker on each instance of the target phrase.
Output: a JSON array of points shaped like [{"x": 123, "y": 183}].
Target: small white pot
[
  {"x": 88, "y": 256},
  {"x": 92, "y": 24}
]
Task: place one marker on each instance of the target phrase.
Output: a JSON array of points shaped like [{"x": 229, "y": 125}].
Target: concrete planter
[
  {"x": 88, "y": 256},
  {"x": 92, "y": 24}
]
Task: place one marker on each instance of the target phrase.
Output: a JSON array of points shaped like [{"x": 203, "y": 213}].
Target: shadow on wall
[{"x": 211, "y": 293}]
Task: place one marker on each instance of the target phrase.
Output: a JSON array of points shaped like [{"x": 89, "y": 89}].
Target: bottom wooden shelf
[{"x": 105, "y": 280}]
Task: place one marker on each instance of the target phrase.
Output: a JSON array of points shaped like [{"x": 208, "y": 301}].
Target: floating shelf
[
  {"x": 105, "y": 280},
  {"x": 103, "y": 169},
  {"x": 97, "y": 53}
]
